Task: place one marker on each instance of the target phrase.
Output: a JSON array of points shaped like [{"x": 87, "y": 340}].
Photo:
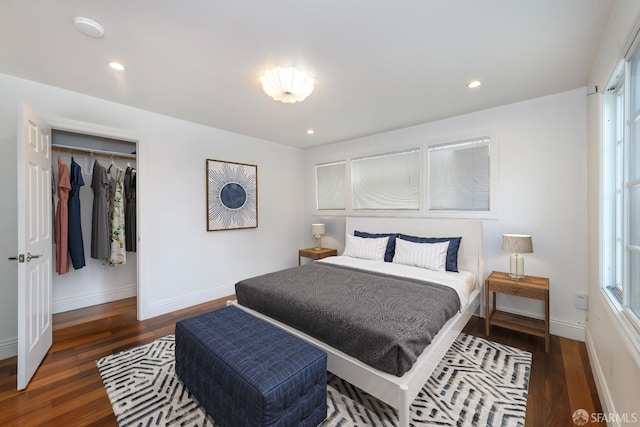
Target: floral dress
[{"x": 116, "y": 221}]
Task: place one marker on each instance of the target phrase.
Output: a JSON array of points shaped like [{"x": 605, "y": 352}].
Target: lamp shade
[
  {"x": 286, "y": 84},
  {"x": 317, "y": 229},
  {"x": 517, "y": 243}
]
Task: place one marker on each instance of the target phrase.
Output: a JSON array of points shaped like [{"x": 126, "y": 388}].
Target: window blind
[
  {"x": 389, "y": 181},
  {"x": 459, "y": 176},
  {"x": 330, "y": 186}
]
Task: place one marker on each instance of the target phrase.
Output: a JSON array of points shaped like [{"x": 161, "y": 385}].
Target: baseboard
[
  {"x": 8, "y": 348},
  {"x": 74, "y": 303},
  {"x": 601, "y": 385},
  {"x": 174, "y": 304},
  {"x": 574, "y": 331}
]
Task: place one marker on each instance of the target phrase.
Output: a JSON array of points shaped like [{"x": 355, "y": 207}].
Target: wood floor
[{"x": 67, "y": 389}]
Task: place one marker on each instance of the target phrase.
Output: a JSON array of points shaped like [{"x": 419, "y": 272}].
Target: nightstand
[
  {"x": 314, "y": 253},
  {"x": 529, "y": 287}
]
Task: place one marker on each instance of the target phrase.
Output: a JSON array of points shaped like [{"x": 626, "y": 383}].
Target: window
[
  {"x": 330, "y": 179},
  {"x": 621, "y": 188},
  {"x": 451, "y": 180},
  {"x": 459, "y": 176},
  {"x": 631, "y": 186},
  {"x": 612, "y": 185},
  {"x": 389, "y": 181}
]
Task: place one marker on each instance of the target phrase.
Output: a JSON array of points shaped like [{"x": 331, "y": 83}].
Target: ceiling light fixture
[
  {"x": 88, "y": 27},
  {"x": 117, "y": 66},
  {"x": 286, "y": 84},
  {"x": 310, "y": 131},
  {"x": 474, "y": 84}
]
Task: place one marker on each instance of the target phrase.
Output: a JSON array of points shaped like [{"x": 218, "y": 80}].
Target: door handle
[
  {"x": 21, "y": 257},
  {"x": 30, "y": 257}
]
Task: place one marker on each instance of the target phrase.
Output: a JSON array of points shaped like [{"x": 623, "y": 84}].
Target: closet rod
[{"x": 74, "y": 150}]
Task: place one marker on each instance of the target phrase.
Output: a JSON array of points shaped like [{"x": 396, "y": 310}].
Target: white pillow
[
  {"x": 366, "y": 248},
  {"x": 426, "y": 255}
]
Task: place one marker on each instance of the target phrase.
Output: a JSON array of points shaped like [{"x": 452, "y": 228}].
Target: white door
[{"x": 34, "y": 242}]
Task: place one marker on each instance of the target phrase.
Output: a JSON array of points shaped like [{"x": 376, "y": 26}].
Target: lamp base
[
  {"x": 516, "y": 266},
  {"x": 318, "y": 245}
]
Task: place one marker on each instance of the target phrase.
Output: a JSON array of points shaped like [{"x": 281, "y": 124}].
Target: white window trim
[
  {"x": 628, "y": 322},
  {"x": 628, "y": 327},
  {"x": 607, "y": 188}
]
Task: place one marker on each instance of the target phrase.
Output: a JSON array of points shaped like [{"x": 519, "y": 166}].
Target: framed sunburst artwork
[{"x": 232, "y": 195}]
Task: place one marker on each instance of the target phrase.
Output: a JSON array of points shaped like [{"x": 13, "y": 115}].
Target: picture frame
[{"x": 232, "y": 195}]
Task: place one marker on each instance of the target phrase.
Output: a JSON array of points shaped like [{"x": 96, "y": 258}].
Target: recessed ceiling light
[
  {"x": 474, "y": 84},
  {"x": 88, "y": 27},
  {"x": 117, "y": 66},
  {"x": 310, "y": 131}
]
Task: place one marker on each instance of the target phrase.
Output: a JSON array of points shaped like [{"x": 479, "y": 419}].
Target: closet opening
[{"x": 93, "y": 264}]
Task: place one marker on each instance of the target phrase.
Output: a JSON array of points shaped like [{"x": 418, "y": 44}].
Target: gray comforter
[{"x": 382, "y": 320}]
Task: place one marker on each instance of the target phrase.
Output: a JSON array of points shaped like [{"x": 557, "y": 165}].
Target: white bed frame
[{"x": 399, "y": 392}]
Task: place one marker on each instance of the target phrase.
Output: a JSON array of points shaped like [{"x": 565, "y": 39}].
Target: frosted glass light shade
[{"x": 286, "y": 84}]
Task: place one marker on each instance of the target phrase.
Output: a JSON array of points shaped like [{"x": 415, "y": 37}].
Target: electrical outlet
[{"x": 582, "y": 301}]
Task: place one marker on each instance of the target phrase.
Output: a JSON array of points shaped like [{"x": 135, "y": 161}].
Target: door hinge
[{"x": 19, "y": 258}]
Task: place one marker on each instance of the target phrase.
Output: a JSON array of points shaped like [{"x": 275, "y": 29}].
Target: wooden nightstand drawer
[{"x": 520, "y": 291}]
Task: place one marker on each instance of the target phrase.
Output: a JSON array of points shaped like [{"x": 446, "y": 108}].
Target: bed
[{"x": 396, "y": 385}]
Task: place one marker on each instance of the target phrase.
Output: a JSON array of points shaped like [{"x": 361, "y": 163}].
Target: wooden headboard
[{"x": 470, "y": 256}]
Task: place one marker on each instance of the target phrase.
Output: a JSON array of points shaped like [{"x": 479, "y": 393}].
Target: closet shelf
[{"x": 101, "y": 153}]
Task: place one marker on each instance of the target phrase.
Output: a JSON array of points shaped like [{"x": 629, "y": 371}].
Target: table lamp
[
  {"x": 317, "y": 230},
  {"x": 517, "y": 244}
]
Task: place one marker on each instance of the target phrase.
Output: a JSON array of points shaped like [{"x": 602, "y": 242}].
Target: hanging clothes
[
  {"x": 116, "y": 218},
  {"x": 54, "y": 190},
  {"x": 76, "y": 246},
  {"x": 100, "y": 229},
  {"x": 61, "y": 224},
  {"x": 130, "y": 209}
]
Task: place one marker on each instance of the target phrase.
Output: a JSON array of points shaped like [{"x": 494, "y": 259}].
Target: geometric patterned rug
[{"x": 477, "y": 383}]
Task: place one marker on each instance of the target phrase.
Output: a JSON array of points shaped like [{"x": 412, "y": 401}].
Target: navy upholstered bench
[{"x": 247, "y": 372}]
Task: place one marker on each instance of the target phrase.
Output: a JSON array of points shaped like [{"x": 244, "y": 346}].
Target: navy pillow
[
  {"x": 452, "y": 251},
  {"x": 391, "y": 244}
]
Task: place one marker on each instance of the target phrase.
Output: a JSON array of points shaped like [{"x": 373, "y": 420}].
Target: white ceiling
[{"x": 378, "y": 64}]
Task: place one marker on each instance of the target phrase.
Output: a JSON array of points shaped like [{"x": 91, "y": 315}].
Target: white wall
[
  {"x": 541, "y": 191},
  {"x": 196, "y": 265},
  {"x": 180, "y": 263},
  {"x": 614, "y": 351}
]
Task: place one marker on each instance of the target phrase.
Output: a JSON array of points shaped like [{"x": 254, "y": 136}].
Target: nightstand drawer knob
[{"x": 515, "y": 291}]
